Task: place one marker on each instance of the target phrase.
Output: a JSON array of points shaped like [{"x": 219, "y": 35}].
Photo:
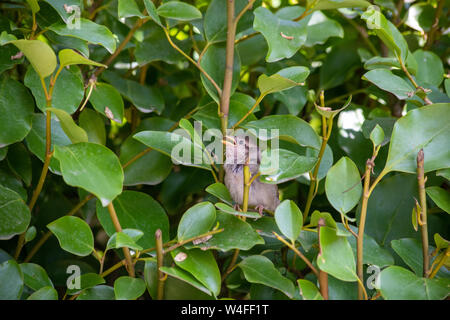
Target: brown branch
[{"x": 423, "y": 212}]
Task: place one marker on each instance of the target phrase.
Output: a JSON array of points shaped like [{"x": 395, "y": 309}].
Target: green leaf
[
  {"x": 41, "y": 55},
  {"x": 430, "y": 69},
  {"x": 284, "y": 37},
  {"x": 308, "y": 290},
  {"x": 337, "y": 256},
  {"x": 179, "y": 11},
  {"x": 61, "y": 5},
  {"x": 125, "y": 238},
  {"x": 197, "y": 220},
  {"x": 72, "y": 130},
  {"x": 444, "y": 173},
  {"x": 336, "y": 4},
  {"x": 88, "y": 31},
  {"x": 68, "y": 57},
  {"x": 136, "y": 210},
  {"x": 213, "y": 62},
  {"x": 36, "y": 139},
  {"x": 153, "y": 167},
  {"x": 229, "y": 210},
  {"x": 343, "y": 185},
  {"x": 68, "y": 91},
  {"x": 14, "y": 214},
  {"x": 377, "y": 135},
  {"x": 146, "y": 99},
  {"x": 290, "y": 128},
  {"x": 184, "y": 276},
  {"x": 101, "y": 292},
  {"x": 294, "y": 99},
  {"x": 94, "y": 126},
  {"x": 373, "y": 253},
  {"x": 16, "y": 109},
  {"x": 128, "y": 288},
  {"x": 74, "y": 235},
  {"x": 105, "y": 97},
  {"x": 87, "y": 280},
  {"x": 387, "y": 32},
  {"x": 220, "y": 191},
  {"x": 321, "y": 28},
  {"x": 386, "y": 124},
  {"x": 11, "y": 278},
  {"x": 92, "y": 167},
  {"x": 420, "y": 17},
  {"x": 45, "y": 293},
  {"x": 35, "y": 277},
  {"x": 171, "y": 144},
  {"x": 237, "y": 234},
  {"x": 440, "y": 196},
  {"x": 34, "y": 5},
  {"x": 202, "y": 265},
  {"x": 410, "y": 250},
  {"x": 386, "y": 80},
  {"x": 289, "y": 219},
  {"x": 339, "y": 65},
  {"x": 440, "y": 242},
  {"x": 329, "y": 113},
  {"x": 427, "y": 128},
  {"x": 282, "y": 80},
  {"x": 396, "y": 283},
  {"x": 19, "y": 162},
  {"x": 30, "y": 234},
  {"x": 259, "y": 269},
  {"x": 129, "y": 8},
  {"x": 151, "y": 10}
]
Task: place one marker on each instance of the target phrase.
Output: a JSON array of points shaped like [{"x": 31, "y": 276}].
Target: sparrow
[{"x": 240, "y": 149}]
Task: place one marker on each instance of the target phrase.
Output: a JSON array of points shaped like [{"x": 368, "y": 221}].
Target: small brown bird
[{"x": 240, "y": 149}]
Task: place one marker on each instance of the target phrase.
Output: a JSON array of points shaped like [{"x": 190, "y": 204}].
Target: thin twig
[{"x": 423, "y": 212}]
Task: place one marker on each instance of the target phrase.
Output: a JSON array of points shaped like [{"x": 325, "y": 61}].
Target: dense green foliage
[{"x": 96, "y": 97}]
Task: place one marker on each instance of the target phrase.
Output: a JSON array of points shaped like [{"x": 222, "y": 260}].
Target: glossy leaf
[
  {"x": 101, "y": 292},
  {"x": 377, "y": 135},
  {"x": 36, "y": 139},
  {"x": 282, "y": 80},
  {"x": 16, "y": 111},
  {"x": 65, "y": 12},
  {"x": 220, "y": 191},
  {"x": 35, "y": 276},
  {"x": 202, "y": 265},
  {"x": 439, "y": 196},
  {"x": 308, "y": 290},
  {"x": 386, "y": 80},
  {"x": 427, "y": 128},
  {"x": 70, "y": 128},
  {"x": 337, "y": 256},
  {"x": 67, "y": 93},
  {"x": 128, "y": 288},
  {"x": 213, "y": 62},
  {"x": 284, "y": 37},
  {"x": 14, "y": 214},
  {"x": 68, "y": 57},
  {"x": 126, "y": 238},
  {"x": 88, "y": 31},
  {"x": 129, "y": 8},
  {"x": 94, "y": 125},
  {"x": 41, "y": 55},
  {"x": 197, "y": 220},
  {"x": 45, "y": 293},
  {"x": 87, "y": 280},
  {"x": 74, "y": 235},
  {"x": 289, "y": 128},
  {"x": 136, "y": 210},
  {"x": 430, "y": 69},
  {"x": 343, "y": 185},
  {"x": 11, "y": 278},
  {"x": 336, "y": 4},
  {"x": 179, "y": 11},
  {"x": 19, "y": 162},
  {"x": 259, "y": 269},
  {"x": 105, "y": 97},
  {"x": 185, "y": 277},
  {"x": 394, "y": 280},
  {"x": 237, "y": 234},
  {"x": 92, "y": 167},
  {"x": 289, "y": 219},
  {"x": 171, "y": 144},
  {"x": 329, "y": 113},
  {"x": 151, "y": 10},
  {"x": 289, "y": 167},
  {"x": 222, "y": 207}
]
